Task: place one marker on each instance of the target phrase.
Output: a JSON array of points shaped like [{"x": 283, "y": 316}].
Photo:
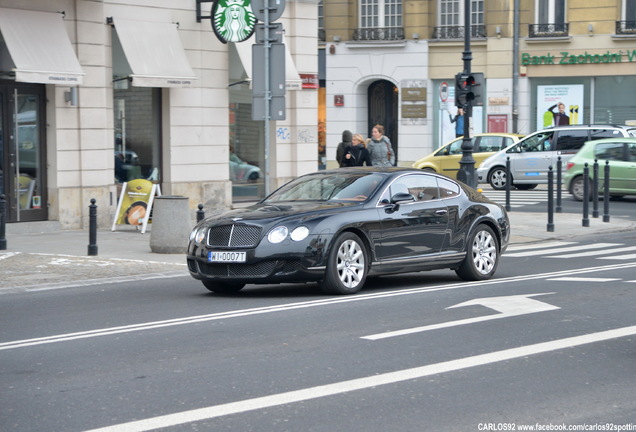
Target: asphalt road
[{"x": 551, "y": 340}]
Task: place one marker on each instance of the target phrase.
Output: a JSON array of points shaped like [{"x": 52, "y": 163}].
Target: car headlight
[
  {"x": 278, "y": 234},
  {"x": 198, "y": 234},
  {"x": 300, "y": 233}
]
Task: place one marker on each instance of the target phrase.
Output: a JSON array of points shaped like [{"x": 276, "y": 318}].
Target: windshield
[{"x": 328, "y": 187}]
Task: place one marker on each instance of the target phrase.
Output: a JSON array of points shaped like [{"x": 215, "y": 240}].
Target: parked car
[
  {"x": 241, "y": 171},
  {"x": 621, "y": 155},
  {"x": 531, "y": 158},
  {"x": 339, "y": 226},
  {"x": 445, "y": 160}
]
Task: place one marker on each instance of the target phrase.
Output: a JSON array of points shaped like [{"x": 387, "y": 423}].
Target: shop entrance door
[{"x": 22, "y": 152}]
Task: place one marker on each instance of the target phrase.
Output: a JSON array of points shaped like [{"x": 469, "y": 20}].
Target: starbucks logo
[{"x": 233, "y": 20}]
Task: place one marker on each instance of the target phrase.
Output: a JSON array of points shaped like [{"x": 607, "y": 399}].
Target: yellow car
[{"x": 445, "y": 160}]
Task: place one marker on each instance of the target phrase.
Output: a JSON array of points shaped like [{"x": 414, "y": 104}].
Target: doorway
[
  {"x": 23, "y": 152},
  {"x": 383, "y": 109}
]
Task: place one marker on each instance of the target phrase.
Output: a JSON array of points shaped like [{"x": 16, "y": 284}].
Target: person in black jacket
[
  {"x": 357, "y": 154},
  {"x": 340, "y": 151}
]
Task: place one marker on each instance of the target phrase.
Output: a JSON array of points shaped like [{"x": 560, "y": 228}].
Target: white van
[{"x": 532, "y": 157}]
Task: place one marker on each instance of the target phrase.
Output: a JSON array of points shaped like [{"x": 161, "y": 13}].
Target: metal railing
[
  {"x": 457, "y": 32},
  {"x": 378, "y": 34},
  {"x": 626, "y": 27},
  {"x": 548, "y": 30}
]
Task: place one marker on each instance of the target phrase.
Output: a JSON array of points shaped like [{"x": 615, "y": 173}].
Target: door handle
[{"x": 441, "y": 212}]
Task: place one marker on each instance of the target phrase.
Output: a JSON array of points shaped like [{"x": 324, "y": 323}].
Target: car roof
[
  {"x": 614, "y": 139},
  {"x": 589, "y": 126}
]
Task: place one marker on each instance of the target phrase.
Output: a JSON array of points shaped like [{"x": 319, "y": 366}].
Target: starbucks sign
[{"x": 233, "y": 20}]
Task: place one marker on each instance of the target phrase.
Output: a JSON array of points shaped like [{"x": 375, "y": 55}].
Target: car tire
[
  {"x": 223, "y": 287},
  {"x": 526, "y": 186},
  {"x": 497, "y": 178},
  {"x": 482, "y": 255},
  {"x": 347, "y": 266},
  {"x": 576, "y": 188}
]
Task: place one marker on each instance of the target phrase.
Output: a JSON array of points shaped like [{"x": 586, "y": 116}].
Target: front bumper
[{"x": 288, "y": 261}]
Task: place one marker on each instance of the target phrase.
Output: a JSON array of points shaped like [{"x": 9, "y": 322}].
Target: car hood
[{"x": 264, "y": 213}]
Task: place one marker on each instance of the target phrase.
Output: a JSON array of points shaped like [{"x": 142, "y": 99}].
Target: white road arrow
[{"x": 508, "y": 306}]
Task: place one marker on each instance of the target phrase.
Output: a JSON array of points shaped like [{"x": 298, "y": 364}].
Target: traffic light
[
  {"x": 461, "y": 89},
  {"x": 468, "y": 89}
]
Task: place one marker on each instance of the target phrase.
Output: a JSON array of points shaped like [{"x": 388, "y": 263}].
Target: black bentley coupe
[{"x": 339, "y": 226}]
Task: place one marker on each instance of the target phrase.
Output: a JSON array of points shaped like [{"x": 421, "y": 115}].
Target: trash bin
[{"x": 171, "y": 224}]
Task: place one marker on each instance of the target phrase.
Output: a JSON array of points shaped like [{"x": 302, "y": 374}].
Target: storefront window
[
  {"x": 137, "y": 112},
  {"x": 610, "y": 104},
  {"x": 247, "y": 145}
]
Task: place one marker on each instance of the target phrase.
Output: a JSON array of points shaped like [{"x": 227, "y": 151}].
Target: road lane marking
[
  {"x": 594, "y": 253},
  {"x": 620, "y": 257},
  {"x": 337, "y": 388},
  {"x": 507, "y": 306},
  {"x": 559, "y": 250},
  {"x": 581, "y": 279},
  {"x": 542, "y": 245},
  {"x": 293, "y": 306}
]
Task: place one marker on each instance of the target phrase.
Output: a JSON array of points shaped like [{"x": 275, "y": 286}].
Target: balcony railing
[
  {"x": 457, "y": 32},
  {"x": 626, "y": 27},
  {"x": 548, "y": 30},
  {"x": 378, "y": 34}
]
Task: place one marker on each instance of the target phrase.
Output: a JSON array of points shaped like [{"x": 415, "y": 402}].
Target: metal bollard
[
  {"x": 507, "y": 187},
  {"x": 559, "y": 184},
  {"x": 92, "y": 228},
  {"x": 550, "y": 200},
  {"x": 606, "y": 198},
  {"x": 3, "y": 221},
  {"x": 595, "y": 190},
  {"x": 200, "y": 213},
  {"x": 586, "y": 195}
]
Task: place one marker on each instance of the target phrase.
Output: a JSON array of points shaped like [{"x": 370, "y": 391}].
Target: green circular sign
[{"x": 233, "y": 20}]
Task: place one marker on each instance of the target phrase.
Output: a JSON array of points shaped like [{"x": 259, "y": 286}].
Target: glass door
[{"x": 22, "y": 152}]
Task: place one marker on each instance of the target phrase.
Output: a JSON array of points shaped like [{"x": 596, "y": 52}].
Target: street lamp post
[{"x": 467, "y": 162}]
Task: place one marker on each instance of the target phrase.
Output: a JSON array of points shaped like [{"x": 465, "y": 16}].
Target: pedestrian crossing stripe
[
  {"x": 604, "y": 252},
  {"x": 561, "y": 249}
]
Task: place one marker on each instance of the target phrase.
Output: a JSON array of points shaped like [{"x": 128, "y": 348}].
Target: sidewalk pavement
[{"x": 40, "y": 255}]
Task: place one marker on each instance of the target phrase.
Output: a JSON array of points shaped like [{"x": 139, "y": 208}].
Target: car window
[
  {"x": 539, "y": 142},
  {"x": 489, "y": 144},
  {"x": 507, "y": 141},
  {"x": 604, "y": 133},
  {"x": 631, "y": 152},
  {"x": 447, "y": 188},
  {"x": 422, "y": 187},
  {"x": 455, "y": 147},
  {"x": 570, "y": 140},
  {"x": 631, "y": 132},
  {"x": 328, "y": 187},
  {"x": 609, "y": 151}
]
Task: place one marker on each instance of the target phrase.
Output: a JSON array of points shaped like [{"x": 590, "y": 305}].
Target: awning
[
  {"x": 150, "y": 54},
  {"x": 36, "y": 48},
  {"x": 292, "y": 79}
]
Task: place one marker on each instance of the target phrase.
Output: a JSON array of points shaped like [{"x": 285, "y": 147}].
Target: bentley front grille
[{"x": 234, "y": 236}]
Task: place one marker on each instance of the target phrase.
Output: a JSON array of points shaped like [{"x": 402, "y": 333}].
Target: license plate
[{"x": 226, "y": 256}]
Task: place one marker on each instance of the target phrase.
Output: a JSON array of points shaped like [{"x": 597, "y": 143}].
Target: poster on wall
[
  {"x": 448, "y": 111},
  {"x": 559, "y": 105},
  {"x": 135, "y": 203}
]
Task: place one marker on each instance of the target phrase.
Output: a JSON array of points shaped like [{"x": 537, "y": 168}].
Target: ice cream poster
[
  {"x": 559, "y": 105},
  {"x": 135, "y": 203}
]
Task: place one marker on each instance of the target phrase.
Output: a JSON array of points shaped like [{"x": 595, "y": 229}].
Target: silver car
[{"x": 532, "y": 157}]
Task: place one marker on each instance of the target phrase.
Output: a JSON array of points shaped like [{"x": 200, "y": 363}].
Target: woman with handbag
[{"x": 380, "y": 148}]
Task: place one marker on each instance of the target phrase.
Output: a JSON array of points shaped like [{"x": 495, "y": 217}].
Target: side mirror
[{"x": 401, "y": 197}]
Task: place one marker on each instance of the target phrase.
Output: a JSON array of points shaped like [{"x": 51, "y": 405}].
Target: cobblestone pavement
[{"x": 21, "y": 270}]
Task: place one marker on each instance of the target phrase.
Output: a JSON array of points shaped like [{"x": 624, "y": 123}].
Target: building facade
[
  {"x": 95, "y": 93},
  {"x": 394, "y": 62}
]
